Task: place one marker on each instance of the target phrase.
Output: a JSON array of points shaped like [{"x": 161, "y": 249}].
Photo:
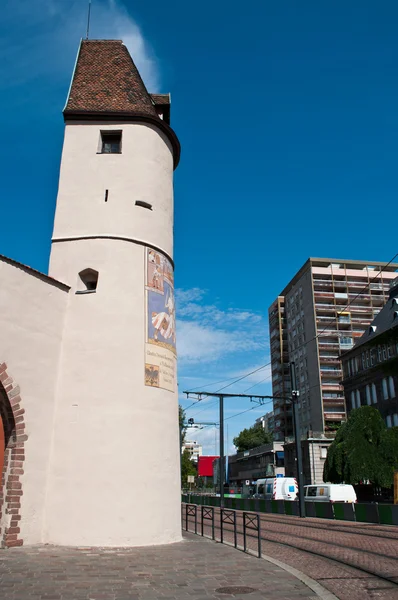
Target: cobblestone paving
[
  {"x": 193, "y": 569},
  {"x": 355, "y": 561}
]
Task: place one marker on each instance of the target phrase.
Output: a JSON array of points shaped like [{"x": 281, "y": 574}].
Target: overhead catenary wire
[{"x": 307, "y": 341}]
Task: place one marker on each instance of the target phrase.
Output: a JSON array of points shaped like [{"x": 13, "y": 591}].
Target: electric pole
[
  {"x": 221, "y": 397},
  {"x": 297, "y": 437}
]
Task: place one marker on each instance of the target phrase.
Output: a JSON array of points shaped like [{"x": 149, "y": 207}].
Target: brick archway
[{"x": 13, "y": 424}]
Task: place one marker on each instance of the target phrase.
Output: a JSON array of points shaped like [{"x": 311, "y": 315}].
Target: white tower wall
[{"x": 114, "y": 466}]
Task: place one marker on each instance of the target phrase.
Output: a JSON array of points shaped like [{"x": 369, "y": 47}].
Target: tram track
[{"x": 352, "y": 564}]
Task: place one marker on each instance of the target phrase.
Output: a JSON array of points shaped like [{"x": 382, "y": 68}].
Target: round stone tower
[{"x": 114, "y": 465}]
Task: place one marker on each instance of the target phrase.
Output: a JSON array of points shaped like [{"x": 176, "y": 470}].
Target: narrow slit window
[
  {"x": 87, "y": 282},
  {"x": 106, "y": 195},
  {"x": 111, "y": 142},
  {"x": 143, "y": 204}
]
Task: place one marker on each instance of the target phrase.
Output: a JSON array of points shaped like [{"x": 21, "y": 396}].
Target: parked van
[
  {"x": 276, "y": 488},
  {"x": 330, "y": 492}
]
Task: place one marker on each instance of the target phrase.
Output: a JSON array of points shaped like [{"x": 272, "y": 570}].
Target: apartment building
[
  {"x": 194, "y": 449},
  {"x": 327, "y": 305},
  {"x": 371, "y": 367},
  {"x": 266, "y": 422}
]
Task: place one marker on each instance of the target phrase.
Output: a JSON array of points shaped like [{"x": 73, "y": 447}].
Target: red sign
[{"x": 205, "y": 466}]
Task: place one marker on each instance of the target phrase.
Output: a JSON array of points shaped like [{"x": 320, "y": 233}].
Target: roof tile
[{"x": 107, "y": 80}]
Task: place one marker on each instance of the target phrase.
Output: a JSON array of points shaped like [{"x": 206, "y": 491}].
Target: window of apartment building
[
  {"x": 374, "y": 394},
  {"x": 367, "y": 359},
  {"x": 347, "y": 368},
  {"x": 368, "y": 397},
  {"x": 372, "y": 357},
  {"x": 352, "y": 398},
  {"x": 395, "y": 419},
  {"x": 391, "y": 387},
  {"x": 388, "y": 421},
  {"x": 385, "y": 389},
  {"x": 389, "y": 351},
  {"x": 324, "y": 451},
  {"x": 379, "y": 355},
  {"x": 363, "y": 360},
  {"x": 358, "y": 398},
  {"x": 384, "y": 352}
]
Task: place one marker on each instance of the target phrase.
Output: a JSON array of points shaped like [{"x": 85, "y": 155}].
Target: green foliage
[
  {"x": 182, "y": 424},
  {"x": 363, "y": 450},
  {"x": 188, "y": 467},
  {"x": 251, "y": 438}
]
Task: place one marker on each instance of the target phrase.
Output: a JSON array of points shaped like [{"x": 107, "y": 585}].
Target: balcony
[
  {"x": 325, "y": 306},
  {"x": 323, "y": 294},
  {"x": 328, "y": 345},
  {"x": 331, "y": 385},
  {"x": 331, "y": 372},
  {"x": 331, "y": 416}
]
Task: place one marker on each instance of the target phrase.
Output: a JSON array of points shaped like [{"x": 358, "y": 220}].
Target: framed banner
[{"x": 160, "y": 335}]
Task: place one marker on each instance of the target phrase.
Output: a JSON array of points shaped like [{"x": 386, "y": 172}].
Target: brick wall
[{"x": 12, "y": 415}]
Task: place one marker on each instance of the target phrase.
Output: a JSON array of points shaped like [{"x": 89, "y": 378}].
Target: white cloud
[
  {"x": 51, "y": 31},
  {"x": 207, "y": 333}
]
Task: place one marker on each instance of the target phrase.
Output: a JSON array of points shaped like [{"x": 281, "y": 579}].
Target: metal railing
[{"x": 240, "y": 529}]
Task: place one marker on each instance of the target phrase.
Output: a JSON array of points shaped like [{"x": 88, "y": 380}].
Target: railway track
[{"x": 354, "y": 561}]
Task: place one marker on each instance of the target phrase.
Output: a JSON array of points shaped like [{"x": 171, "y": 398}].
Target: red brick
[
  {"x": 14, "y": 485},
  {"x": 13, "y": 543},
  {"x": 3, "y": 375},
  {"x": 14, "y": 401}
]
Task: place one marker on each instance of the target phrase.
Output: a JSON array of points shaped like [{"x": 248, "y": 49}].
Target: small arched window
[{"x": 87, "y": 281}]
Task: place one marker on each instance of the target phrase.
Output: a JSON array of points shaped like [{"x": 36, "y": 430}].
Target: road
[{"x": 355, "y": 561}]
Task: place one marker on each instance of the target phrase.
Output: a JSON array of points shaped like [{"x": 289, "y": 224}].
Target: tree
[
  {"x": 251, "y": 438},
  {"x": 182, "y": 424},
  {"x": 363, "y": 450},
  {"x": 188, "y": 467}
]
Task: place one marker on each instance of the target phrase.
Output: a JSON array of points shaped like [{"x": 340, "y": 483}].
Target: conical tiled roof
[
  {"x": 106, "y": 85},
  {"x": 107, "y": 80}
]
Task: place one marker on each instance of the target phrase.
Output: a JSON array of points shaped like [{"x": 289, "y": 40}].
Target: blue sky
[{"x": 287, "y": 116}]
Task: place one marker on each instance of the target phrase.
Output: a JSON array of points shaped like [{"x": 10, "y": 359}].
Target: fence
[
  {"x": 382, "y": 514},
  {"x": 240, "y": 529}
]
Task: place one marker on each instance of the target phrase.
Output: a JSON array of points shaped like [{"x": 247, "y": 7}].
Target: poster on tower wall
[{"x": 160, "y": 340}]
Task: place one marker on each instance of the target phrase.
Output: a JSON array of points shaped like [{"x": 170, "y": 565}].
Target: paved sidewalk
[{"x": 194, "y": 569}]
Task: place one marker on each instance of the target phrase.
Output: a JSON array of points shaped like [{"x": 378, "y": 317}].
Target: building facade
[
  {"x": 371, "y": 367},
  {"x": 87, "y": 354},
  {"x": 266, "y": 422},
  {"x": 311, "y": 325},
  {"x": 193, "y": 448},
  {"x": 264, "y": 461},
  {"x": 314, "y": 452}
]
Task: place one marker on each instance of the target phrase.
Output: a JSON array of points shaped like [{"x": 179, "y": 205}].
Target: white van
[
  {"x": 276, "y": 488},
  {"x": 330, "y": 492}
]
